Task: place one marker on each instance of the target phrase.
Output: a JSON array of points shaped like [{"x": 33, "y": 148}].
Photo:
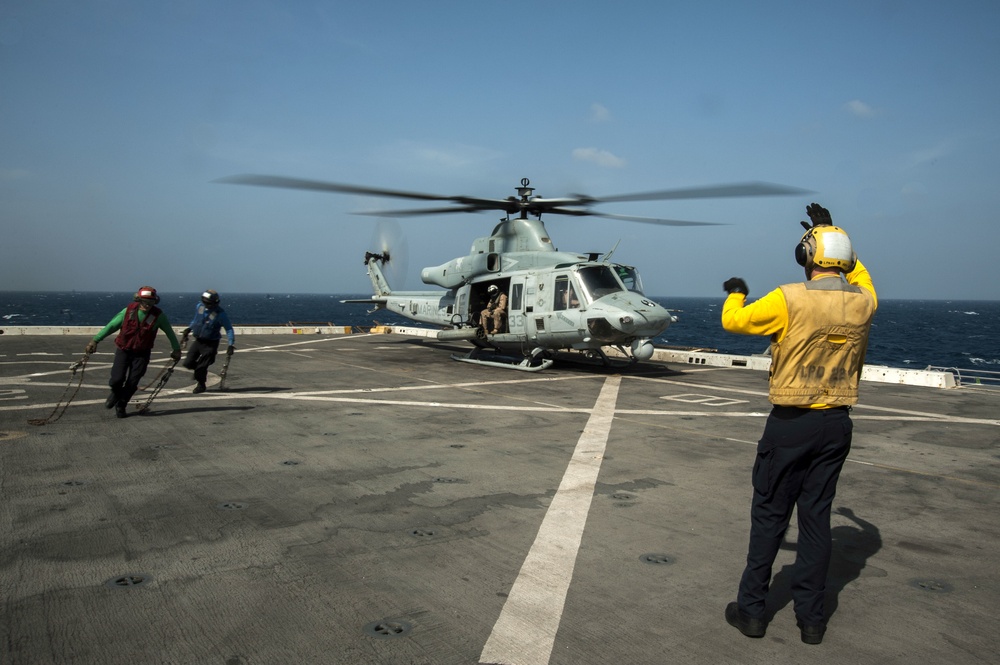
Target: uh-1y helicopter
[{"x": 555, "y": 300}]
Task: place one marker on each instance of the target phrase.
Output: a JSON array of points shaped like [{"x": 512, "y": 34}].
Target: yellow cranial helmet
[{"x": 826, "y": 246}]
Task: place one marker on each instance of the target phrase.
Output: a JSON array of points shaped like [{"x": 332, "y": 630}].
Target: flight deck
[{"x": 363, "y": 498}]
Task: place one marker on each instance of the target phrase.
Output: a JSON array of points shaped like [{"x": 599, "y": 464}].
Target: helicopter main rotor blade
[
  {"x": 322, "y": 186},
  {"x": 575, "y": 205},
  {"x": 710, "y": 192},
  {"x": 283, "y": 182},
  {"x": 417, "y": 211},
  {"x": 630, "y": 218}
]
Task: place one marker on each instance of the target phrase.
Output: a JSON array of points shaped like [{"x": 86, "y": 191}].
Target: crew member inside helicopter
[
  {"x": 565, "y": 294},
  {"x": 491, "y": 318}
]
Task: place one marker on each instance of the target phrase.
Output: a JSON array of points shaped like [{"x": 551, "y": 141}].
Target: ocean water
[{"x": 905, "y": 333}]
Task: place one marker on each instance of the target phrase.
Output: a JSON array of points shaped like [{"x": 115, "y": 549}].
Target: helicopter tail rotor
[{"x": 391, "y": 244}]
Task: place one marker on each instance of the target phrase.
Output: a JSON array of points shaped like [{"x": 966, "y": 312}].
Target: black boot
[
  {"x": 120, "y": 409},
  {"x": 743, "y": 622},
  {"x": 811, "y": 634}
]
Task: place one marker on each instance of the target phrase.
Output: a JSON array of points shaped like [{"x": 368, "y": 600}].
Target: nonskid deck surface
[{"x": 365, "y": 499}]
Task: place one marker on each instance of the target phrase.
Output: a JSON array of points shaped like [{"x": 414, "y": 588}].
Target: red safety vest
[{"x": 138, "y": 335}]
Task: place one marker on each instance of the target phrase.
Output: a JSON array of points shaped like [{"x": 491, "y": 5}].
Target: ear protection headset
[
  {"x": 826, "y": 246},
  {"x": 147, "y": 293}
]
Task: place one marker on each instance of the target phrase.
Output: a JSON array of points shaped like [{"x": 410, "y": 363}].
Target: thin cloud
[
  {"x": 599, "y": 157},
  {"x": 599, "y": 113},
  {"x": 930, "y": 154},
  {"x": 858, "y": 108}
]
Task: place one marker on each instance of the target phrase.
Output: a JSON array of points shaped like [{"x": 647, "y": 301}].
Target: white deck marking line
[
  {"x": 401, "y": 402},
  {"x": 525, "y": 633},
  {"x": 170, "y": 397},
  {"x": 919, "y": 415},
  {"x": 312, "y": 340},
  {"x": 691, "y": 386},
  {"x": 903, "y": 416},
  {"x": 174, "y": 395},
  {"x": 435, "y": 386}
]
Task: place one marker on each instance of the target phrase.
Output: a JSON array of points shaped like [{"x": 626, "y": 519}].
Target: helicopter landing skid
[
  {"x": 597, "y": 358},
  {"x": 524, "y": 364}
]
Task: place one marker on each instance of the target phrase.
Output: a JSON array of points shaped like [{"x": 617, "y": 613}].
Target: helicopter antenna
[{"x": 607, "y": 257}]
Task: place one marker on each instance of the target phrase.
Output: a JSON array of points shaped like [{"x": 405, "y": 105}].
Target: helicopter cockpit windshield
[
  {"x": 599, "y": 281},
  {"x": 630, "y": 278}
]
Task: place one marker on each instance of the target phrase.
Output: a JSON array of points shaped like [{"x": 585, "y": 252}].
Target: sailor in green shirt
[{"x": 137, "y": 325}]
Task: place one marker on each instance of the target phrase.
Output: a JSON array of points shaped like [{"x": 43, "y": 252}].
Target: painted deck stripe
[{"x": 526, "y": 630}]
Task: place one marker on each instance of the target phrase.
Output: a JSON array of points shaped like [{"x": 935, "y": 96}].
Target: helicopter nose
[
  {"x": 638, "y": 317},
  {"x": 647, "y": 319}
]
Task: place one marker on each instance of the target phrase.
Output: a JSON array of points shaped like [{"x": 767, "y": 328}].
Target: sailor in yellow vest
[{"x": 819, "y": 334}]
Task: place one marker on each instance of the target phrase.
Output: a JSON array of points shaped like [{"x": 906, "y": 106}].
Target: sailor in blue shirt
[{"x": 209, "y": 319}]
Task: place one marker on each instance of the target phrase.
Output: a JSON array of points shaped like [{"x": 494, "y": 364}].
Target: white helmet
[{"x": 493, "y": 289}]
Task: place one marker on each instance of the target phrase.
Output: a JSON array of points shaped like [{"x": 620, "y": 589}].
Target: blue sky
[{"x": 116, "y": 116}]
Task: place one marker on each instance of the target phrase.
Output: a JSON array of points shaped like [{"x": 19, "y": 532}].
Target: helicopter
[{"x": 556, "y": 300}]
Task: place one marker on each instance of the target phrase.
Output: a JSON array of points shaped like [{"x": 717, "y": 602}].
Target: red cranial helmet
[{"x": 147, "y": 293}]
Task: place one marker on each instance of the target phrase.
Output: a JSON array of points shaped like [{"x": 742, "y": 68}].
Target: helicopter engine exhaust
[{"x": 461, "y": 334}]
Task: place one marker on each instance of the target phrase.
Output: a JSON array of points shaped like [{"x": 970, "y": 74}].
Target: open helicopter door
[{"x": 462, "y": 313}]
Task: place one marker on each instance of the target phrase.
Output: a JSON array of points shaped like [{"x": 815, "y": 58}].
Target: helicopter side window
[
  {"x": 560, "y": 292},
  {"x": 515, "y": 297},
  {"x": 599, "y": 281},
  {"x": 565, "y": 295}
]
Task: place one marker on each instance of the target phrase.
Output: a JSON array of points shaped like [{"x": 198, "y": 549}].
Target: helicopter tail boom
[{"x": 379, "y": 283}]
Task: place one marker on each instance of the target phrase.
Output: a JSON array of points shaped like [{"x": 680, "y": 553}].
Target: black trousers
[
  {"x": 126, "y": 372},
  {"x": 200, "y": 357},
  {"x": 799, "y": 458}
]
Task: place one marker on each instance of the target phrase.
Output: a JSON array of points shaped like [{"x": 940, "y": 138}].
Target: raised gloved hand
[
  {"x": 230, "y": 349},
  {"x": 735, "y": 285},
  {"x": 819, "y": 215},
  {"x": 175, "y": 355},
  {"x": 91, "y": 347}
]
